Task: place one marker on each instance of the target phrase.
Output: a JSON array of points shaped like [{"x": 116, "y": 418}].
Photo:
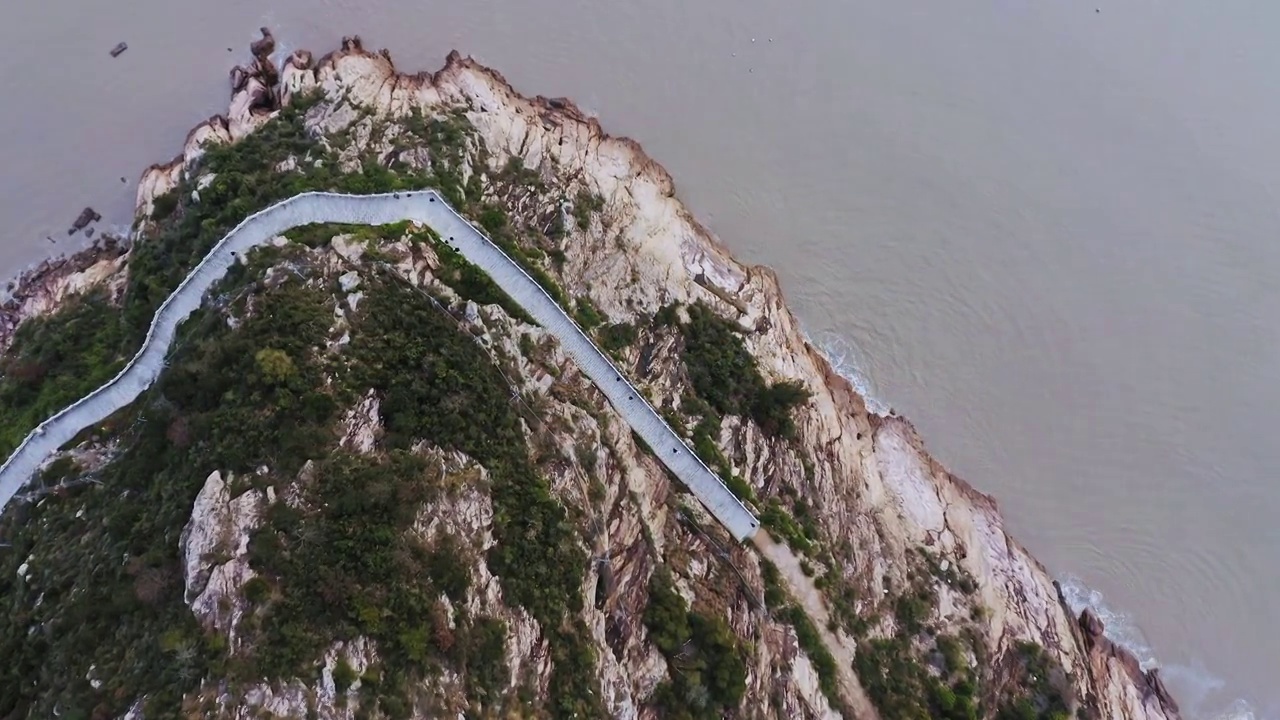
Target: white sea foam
[
  {"x": 1197, "y": 690},
  {"x": 847, "y": 360},
  {"x": 1121, "y": 627}
]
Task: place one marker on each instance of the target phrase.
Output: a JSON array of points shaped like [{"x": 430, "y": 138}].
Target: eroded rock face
[
  {"x": 214, "y": 547},
  {"x": 45, "y": 287},
  {"x": 362, "y": 426}
]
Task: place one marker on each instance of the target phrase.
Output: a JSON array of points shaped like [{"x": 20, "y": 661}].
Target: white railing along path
[{"x": 426, "y": 207}]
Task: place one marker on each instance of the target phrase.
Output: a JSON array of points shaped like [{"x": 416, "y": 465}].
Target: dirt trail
[{"x": 803, "y": 591}]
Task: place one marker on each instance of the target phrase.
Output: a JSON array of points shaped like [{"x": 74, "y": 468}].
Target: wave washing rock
[{"x": 928, "y": 598}]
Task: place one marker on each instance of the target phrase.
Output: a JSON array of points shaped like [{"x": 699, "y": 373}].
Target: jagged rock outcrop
[
  {"x": 1124, "y": 681},
  {"x": 43, "y": 288},
  {"x": 215, "y": 545}
]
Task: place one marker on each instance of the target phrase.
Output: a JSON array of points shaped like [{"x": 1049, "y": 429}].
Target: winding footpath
[{"x": 425, "y": 207}]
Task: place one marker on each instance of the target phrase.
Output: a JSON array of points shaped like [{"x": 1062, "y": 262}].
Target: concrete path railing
[{"x": 425, "y": 207}]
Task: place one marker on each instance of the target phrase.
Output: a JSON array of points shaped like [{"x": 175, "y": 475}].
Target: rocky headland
[{"x": 885, "y": 587}]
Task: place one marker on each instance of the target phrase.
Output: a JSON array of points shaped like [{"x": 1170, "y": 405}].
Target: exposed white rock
[
  {"x": 362, "y": 425},
  {"x": 808, "y": 684},
  {"x": 214, "y": 547},
  {"x": 359, "y": 654},
  {"x": 135, "y": 710},
  {"x": 50, "y": 285},
  {"x": 349, "y": 281}
]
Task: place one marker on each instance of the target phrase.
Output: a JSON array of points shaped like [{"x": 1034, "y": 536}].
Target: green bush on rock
[
  {"x": 725, "y": 376},
  {"x": 707, "y": 664}
]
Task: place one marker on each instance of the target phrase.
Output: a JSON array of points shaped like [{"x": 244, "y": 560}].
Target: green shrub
[
  {"x": 472, "y": 283},
  {"x": 58, "y": 470},
  {"x": 723, "y": 373},
  {"x": 57, "y": 359},
  {"x": 1039, "y": 688},
  {"x": 901, "y": 686},
  {"x": 666, "y": 315},
  {"x": 776, "y": 518},
  {"x": 807, "y": 635},
  {"x": 667, "y": 615},
  {"x": 771, "y": 407},
  {"x": 584, "y": 206},
  {"x": 704, "y": 444},
  {"x": 486, "y": 661},
  {"x": 586, "y": 314},
  {"x": 162, "y": 206},
  {"x": 350, "y": 577},
  {"x": 810, "y": 641},
  {"x": 618, "y": 336},
  {"x": 207, "y": 411},
  {"x": 725, "y": 376},
  {"x": 256, "y": 590},
  {"x": 344, "y": 676},
  {"x": 493, "y": 219},
  {"x": 438, "y": 385},
  {"x": 707, "y": 664},
  {"x": 275, "y": 366},
  {"x": 218, "y": 406},
  {"x": 449, "y": 569}
]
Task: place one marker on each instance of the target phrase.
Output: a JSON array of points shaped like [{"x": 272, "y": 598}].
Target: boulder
[
  {"x": 1092, "y": 625},
  {"x": 265, "y": 46},
  {"x": 86, "y": 216}
]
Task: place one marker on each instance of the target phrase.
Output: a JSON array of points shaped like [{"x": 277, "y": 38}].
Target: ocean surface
[{"x": 1046, "y": 231}]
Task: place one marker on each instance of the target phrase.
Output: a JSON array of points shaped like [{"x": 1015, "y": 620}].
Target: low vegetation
[
  {"x": 253, "y": 396},
  {"x": 55, "y": 360},
  {"x": 586, "y": 314},
  {"x": 213, "y": 409},
  {"x": 725, "y": 375},
  {"x": 585, "y": 205},
  {"x": 1039, "y": 690},
  {"x": 706, "y": 664},
  {"x": 807, "y": 635},
  {"x": 617, "y": 337},
  {"x": 438, "y": 385}
]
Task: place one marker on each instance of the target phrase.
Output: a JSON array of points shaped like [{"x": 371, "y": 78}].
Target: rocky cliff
[{"x": 355, "y": 514}]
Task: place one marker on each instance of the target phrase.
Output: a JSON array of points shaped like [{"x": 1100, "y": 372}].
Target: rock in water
[
  {"x": 264, "y": 47},
  {"x": 299, "y": 60},
  {"x": 88, "y": 215},
  {"x": 1091, "y": 624}
]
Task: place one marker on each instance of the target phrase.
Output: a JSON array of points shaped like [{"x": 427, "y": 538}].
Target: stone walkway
[{"x": 426, "y": 207}]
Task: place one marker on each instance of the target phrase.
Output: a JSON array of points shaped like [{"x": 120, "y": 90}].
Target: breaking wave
[
  {"x": 1198, "y": 691},
  {"x": 847, "y": 360}
]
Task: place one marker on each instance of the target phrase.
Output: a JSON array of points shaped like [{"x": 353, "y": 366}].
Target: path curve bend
[{"x": 426, "y": 207}]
